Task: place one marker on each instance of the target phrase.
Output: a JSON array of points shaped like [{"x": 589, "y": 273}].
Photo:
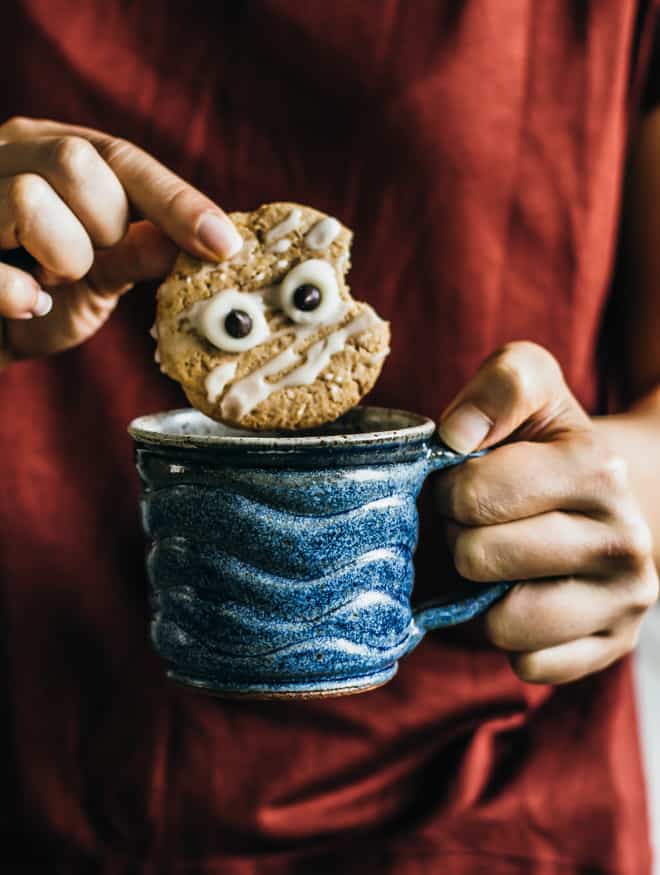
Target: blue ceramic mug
[{"x": 282, "y": 565}]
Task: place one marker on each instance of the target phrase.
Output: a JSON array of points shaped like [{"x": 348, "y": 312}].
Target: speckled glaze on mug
[{"x": 282, "y": 565}]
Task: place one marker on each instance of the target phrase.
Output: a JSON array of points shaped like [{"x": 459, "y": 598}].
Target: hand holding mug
[
  {"x": 551, "y": 509},
  {"x": 281, "y": 565}
]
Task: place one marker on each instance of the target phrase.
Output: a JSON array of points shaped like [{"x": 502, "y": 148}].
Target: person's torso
[{"x": 476, "y": 148}]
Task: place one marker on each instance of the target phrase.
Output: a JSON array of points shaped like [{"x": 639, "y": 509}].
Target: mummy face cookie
[{"x": 271, "y": 339}]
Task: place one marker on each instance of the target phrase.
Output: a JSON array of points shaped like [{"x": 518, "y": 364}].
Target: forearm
[{"x": 635, "y": 436}]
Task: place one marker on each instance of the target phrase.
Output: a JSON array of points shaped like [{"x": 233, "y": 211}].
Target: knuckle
[
  {"x": 630, "y": 544},
  {"x": 523, "y": 365},
  {"x": 78, "y": 161},
  {"x": 468, "y": 501},
  {"x": 644, "y": 593},
  {"x": 112, "y": 234},
  {"x": 624, "y": 638},
  {"x": 522, "y": 371},
  {"x": 12, "y": 288},
  {"x": 73, "y": 156},
  {"x": 587, "y": 448},
  {"x": 496, "y": 626},
  {"x": 530, "y": 668},
  {"x": 586, "y": 457},
  {"x": 15, "y": 126},
  {"x": 114, "y": 149},
  {"x": 177, "y": 198},
  {"x": 25, "y": 194},
  {"x": 82, "y": 265},
  {"x": 469, "y": 557},
  {"x": 81, "y": 262},
  {"x": 14, "y": 294},
  {"x": 512, "y": 378},
  {"x": 611, "y": 472}
]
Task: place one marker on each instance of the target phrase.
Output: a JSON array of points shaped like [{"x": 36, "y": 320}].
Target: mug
[{"x": 281, "y": 564}]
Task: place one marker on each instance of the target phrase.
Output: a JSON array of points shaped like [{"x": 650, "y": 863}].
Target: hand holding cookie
[
  {"x": 66, "y": 197},
  {"x": 267, "y": 338},
  {"x": 271, "y": 338}
]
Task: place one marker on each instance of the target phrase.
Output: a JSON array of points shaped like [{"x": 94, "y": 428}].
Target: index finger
[{"x": 183, "y": 213}]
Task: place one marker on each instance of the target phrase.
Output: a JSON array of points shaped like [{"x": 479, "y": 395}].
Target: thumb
[
  {"x": 144, "y": 253},
  {"x": 521, "y": 389}
]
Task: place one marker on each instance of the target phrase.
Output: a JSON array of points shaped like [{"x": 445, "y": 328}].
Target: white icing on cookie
[
  {"x": 244, "y": 395},
  {"x": 218, "y": 378},
  {"x": 378, "y": 356},
  {"x": 280, "y": 245},
  {"x": 245, "y": 253},
  {"x": 153, "y": 332},
  {"x": 322, "y": 234},
  {"x": 248, "y": 392},
  {"x": 291, "y": 223},
  {"x": 341, "y": 263}
]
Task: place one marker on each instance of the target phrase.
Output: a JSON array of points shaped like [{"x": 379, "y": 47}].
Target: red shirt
[{"x": 477, "y": 150}]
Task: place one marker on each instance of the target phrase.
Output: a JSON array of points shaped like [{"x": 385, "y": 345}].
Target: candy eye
[
  {"x": 232, "y": 321},
  {"x": 309, "y": 293},
  {"x": 238, "y": 324},
  {"x": 307, "y": 297}
]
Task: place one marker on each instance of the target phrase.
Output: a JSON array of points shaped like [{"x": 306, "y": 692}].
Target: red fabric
[{"x": 476, "y": 148}]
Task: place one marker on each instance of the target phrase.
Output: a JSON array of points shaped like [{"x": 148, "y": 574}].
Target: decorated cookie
[{"x": 271, "y": 338}]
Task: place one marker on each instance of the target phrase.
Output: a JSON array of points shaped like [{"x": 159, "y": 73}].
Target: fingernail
[
  {"x": 219, "y": 236},
  {"x": 44, "y": 304},
  {"x": 465, "y": 428}
]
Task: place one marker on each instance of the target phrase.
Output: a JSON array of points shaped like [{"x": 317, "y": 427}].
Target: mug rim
[{"x": 145, "y": 429}]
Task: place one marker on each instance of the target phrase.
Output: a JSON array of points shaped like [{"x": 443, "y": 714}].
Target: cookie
[{"x": 271, "y": 339}]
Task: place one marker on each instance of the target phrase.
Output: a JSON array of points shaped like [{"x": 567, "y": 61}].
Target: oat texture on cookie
[{"x": 271, "y": 339}]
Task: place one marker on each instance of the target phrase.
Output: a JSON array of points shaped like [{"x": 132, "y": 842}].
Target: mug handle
[{"x": 437, "y": 614}]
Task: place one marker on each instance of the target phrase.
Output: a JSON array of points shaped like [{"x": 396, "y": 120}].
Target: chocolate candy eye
[
  {"x": 231, "y": 320},
  {"x": 307, "y": 297},
  {"x": 238, "y": 323},
  {"x": 309, "y": 293}
]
